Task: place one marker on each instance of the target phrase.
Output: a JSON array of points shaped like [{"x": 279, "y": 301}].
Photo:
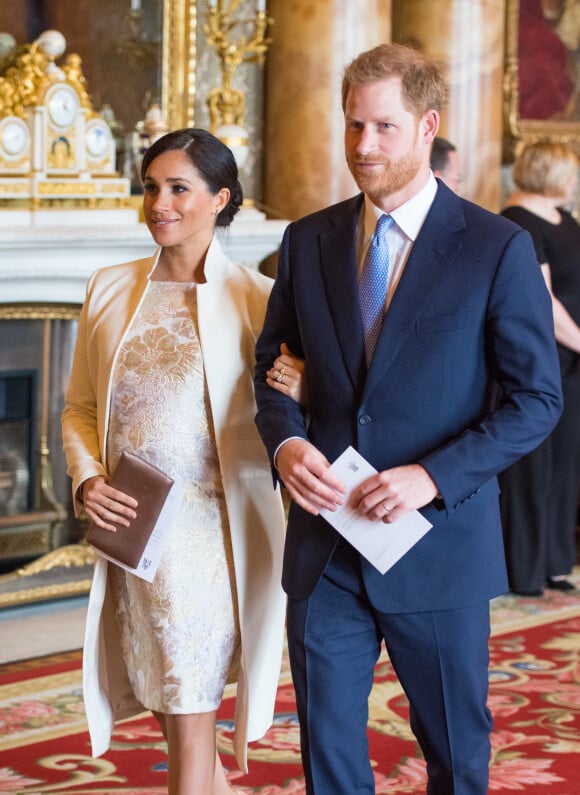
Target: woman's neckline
[
  {"x": 537, "y": 215},
  {"x": 172, "y": 281},
  {"x": 541, "y": 207}
]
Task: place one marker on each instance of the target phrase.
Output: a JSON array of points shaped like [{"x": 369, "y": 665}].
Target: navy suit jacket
[{"x": 464, "y": 380}]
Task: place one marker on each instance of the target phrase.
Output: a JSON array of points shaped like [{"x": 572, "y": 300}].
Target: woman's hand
[
  {"x": 104, "y": 504},
  {"x": 288, "y": 376}
]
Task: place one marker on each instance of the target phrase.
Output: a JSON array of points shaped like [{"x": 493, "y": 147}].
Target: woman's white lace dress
[{"x": 180, "y": 633}]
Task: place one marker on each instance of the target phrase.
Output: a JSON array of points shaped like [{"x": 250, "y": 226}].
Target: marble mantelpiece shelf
[{"x": 50, "y": 264}]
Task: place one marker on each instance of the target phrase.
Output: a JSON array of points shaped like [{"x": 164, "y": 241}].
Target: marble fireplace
[{"x": 44, "y": 265}]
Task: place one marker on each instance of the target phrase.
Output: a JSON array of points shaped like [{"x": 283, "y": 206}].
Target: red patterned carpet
[{"x": 534, "y": 695}]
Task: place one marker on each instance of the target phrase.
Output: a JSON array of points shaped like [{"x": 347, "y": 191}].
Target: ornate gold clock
[{"x": 53, "y": 145}]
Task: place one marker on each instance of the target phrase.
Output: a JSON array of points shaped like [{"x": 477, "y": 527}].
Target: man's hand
[
  {"x": 307, "y": 476},
  {"x": 104, "y": 504},
  {"x": 392, "y": 493}
]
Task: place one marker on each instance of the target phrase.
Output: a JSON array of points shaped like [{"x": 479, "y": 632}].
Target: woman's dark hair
[{"x": 211, "y": 158}]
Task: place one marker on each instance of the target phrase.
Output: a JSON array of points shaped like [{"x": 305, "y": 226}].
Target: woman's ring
[
  {"x": 280, "y": 378},
  {"x": 386, "y": 507},
  {"x": 283, "y": 371}
]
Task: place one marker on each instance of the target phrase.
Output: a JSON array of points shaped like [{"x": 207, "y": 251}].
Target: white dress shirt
[{"x": 408, "y": 219}]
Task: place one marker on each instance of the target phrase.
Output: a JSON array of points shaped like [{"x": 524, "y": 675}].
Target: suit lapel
[
  {"x": 434, "y": 252},
  {"x": 339, "y": 272}
]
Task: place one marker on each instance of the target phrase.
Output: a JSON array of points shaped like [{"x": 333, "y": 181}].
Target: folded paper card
[
  {"x": 381, "y": 544},
  {"x": 150, "y": 487}
]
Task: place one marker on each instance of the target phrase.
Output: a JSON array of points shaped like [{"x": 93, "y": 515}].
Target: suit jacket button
[{"x": 363, "y": 419}]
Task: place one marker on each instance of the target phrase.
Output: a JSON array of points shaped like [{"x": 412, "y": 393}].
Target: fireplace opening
[
  {"x": 36, "y": 516},
  {"x": 18, "y": 393}
]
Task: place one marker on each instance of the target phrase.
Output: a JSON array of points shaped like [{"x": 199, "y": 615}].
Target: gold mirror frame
[
  {"x": 521, "y": 131},
  {"x": 179, "y": 62}
]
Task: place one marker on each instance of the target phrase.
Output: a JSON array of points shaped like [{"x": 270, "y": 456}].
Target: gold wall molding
[
  {"x": 39, "y": 311},
  {"x": 179, "y": 62}
]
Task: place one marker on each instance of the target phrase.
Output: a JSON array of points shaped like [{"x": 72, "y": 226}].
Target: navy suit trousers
[{"x": 441, "y": 659}]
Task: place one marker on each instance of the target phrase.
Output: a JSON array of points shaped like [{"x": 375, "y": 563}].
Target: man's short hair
[
  {"x": 423, "y": 86},
  {"x": 440, "y": 153}
]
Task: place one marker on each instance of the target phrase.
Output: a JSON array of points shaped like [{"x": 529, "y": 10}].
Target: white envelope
[{"x": 381, "y": 544}]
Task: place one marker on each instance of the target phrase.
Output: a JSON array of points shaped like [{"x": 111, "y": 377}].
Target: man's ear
[{"x": 429, "y": 126}]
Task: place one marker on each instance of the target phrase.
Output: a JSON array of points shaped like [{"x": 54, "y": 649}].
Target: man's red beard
[{"x": 394, "y": 176}]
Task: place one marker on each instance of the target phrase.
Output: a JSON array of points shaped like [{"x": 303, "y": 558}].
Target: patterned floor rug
[{"x": 534, "y": 696}]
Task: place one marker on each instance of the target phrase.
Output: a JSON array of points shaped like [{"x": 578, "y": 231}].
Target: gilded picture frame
[{"x": 541, "y": 76}]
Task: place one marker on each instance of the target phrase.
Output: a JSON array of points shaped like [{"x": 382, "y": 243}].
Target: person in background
[
  {"x": 163, "y": 368},
  {"x": 539, "y": 493},
  {"x": 445, "y": 163},
  {"x": 461, "y": 306}
]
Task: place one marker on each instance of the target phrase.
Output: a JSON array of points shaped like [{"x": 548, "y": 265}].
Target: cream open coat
[{"x": 231, "y": 308}]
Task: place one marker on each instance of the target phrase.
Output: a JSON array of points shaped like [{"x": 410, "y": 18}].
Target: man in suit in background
[
  {"x": 463, "y": 309},
  {"x": 445, "y": 162}
]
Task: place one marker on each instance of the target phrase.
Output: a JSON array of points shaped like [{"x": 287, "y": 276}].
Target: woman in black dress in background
[{"x": 539, "y": 498}]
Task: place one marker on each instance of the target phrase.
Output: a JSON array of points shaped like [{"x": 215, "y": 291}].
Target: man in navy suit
[{"x": 464, "y": 380}]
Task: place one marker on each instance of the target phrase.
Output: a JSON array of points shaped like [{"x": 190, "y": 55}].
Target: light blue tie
[{"x": 373, "y": 285}]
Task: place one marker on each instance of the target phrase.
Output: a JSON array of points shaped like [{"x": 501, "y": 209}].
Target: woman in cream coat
[{"x": 181, "y": 207}]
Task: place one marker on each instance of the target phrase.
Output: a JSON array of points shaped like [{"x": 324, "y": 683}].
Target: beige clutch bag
[{"x": 150, "y": 487}]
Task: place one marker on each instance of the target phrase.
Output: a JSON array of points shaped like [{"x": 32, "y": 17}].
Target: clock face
[
  {"x": 98, "y": 138},
  {"x": 63, "y": 106},
  {"x": 14, "y": 136}
]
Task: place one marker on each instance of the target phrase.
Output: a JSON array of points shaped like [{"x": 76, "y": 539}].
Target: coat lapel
[
  {"x": 433, "y": 253},
  {"x": 339, "y": 272},
  {"x": 219, "y": 329}
]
